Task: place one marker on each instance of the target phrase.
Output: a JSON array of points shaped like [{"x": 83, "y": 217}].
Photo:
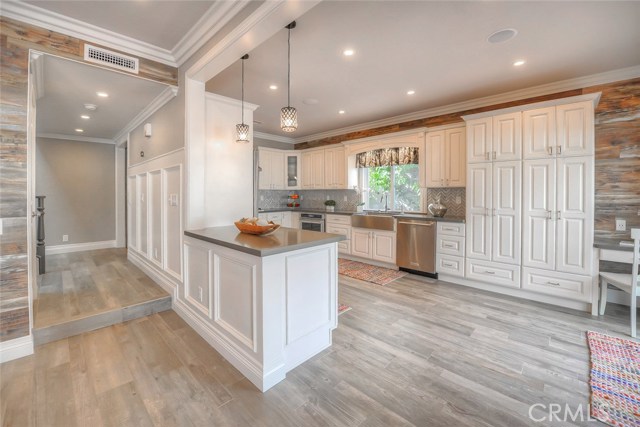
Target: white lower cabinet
[
  {"x": 374, "y": 244},
  {"x": 493, "y": 272},
  {"x": 450, "y": 249},
  {"x": 564, "y": 285},
  {"x": 340, "y": 224}
]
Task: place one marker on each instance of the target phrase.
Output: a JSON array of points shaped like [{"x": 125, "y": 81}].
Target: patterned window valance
[{"x": 387, "y": 157}]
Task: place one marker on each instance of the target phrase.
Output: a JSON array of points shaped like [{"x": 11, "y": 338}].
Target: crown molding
[
  {"x": 165, "y": 96},
  {"x": 53, "y": 21},
  {"x": 531, "y": 92},
  {"x": 271, "y": 137},
  {"x": 216, "y": 17},
  {"x": 230, "y": 101},
  {"x": 75, "y": 138}
]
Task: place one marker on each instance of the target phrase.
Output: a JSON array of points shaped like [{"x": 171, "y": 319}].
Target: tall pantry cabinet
[{"x": 530, "y": 197}]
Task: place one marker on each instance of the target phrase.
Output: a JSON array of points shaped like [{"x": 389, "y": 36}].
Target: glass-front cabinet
[{"x": 292, "y": 167}]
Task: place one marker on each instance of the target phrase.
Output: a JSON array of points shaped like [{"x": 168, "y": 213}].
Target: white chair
[{"x": 625, "y": 282}]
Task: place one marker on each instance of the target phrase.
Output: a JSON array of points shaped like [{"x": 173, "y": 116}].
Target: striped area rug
[
  {"x": 367, "y": 272},
  {"x": 615, "y": 380}
]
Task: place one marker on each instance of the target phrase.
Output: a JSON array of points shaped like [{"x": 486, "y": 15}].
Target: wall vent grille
[{"x": 110, "y": 59}]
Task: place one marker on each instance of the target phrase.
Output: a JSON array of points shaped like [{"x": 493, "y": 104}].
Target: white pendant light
[
  {"x": 288, "y": 114},
  {"x": 242, "y": 129}
]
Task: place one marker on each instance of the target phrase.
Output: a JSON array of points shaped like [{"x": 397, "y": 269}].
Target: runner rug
[
  {"x": 615, "y": 380},
  {"x": 368, "y": 273}
]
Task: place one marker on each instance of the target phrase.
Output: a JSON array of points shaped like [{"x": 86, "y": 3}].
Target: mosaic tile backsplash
[{"x": 346, "y": 200}]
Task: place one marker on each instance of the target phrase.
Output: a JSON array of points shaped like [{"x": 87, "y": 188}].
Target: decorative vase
[{"x": 330, "y": 208}]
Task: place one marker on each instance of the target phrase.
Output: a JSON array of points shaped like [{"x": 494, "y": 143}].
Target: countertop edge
[
  {"x": 613, "y": 245},
  {"x": 264, "y": 252}
]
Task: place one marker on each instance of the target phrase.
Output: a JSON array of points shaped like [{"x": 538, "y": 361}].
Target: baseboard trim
[
  {"x": 16, "y": 348},
  {"x": 235, "y": 356},
  {"x": 516, "y": 292},
  {"x": 166, "y": 281},
  {"x": 79, "y": 247}
]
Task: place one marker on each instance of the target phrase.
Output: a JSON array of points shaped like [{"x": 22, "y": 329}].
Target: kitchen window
[{"x": 390, "y": 176}]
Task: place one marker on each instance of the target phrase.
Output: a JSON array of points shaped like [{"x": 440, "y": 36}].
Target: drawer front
[
  {"x": 450, "y": 245},
  {"x": 275, "y": 217},
  {"x": 450, "y": 228},
  {"x": 339, "y": 229},
  {"x": 493, "y": 273},
  {"x": 338, "y": 219},
  {"x": 344, "y": 247},
  {"x": 449, "y": 264},
  {"x": 563, "y": 285}
]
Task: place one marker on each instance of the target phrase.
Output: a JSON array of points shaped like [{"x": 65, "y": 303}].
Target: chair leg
[
  {"x": 603, "y": 296},
  {"x": 633, "y": 310}
]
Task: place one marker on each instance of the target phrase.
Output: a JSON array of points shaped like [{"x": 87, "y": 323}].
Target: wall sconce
[{"x": 147, "y": 130}]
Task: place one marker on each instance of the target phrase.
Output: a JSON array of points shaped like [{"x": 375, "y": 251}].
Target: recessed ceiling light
[
  {"x": 519, "y": 62},
  {"x": 102, "y": 94},
  {"x": 79, "y": 130},
  {"x": 502, "y": 36},
  {"x": 348, "y": 52},
  {"x": 91, "y": 107},
  {"x": 411, "y": 92},
  {"x": 273, "y": 87},
  {"x": 341, "y": 112},
  {"x": 84, "y": 116}
]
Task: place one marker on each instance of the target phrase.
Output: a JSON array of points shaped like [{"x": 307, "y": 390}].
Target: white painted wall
[{"x": 228, "y": 165}]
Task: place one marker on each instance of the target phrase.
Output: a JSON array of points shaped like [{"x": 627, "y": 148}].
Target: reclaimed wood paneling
[
  {"x": 617, "y": 133},
  {"x": 31, "y": 37},
  {"x": 16, "y": 38}
]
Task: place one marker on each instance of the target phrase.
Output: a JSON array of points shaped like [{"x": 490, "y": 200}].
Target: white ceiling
[
  {"x": 68, "y": 85},
  {"x": 438, "y": 49},
  {"x": 159, "y": 23}
]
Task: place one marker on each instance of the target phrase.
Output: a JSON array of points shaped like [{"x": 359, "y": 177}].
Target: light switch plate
[
  {"x": 621, "y": 225},
  {"x": 65, "y": 237}
]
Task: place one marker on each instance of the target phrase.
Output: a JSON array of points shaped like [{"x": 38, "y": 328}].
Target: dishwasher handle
[{"x": 420, "y": 223}]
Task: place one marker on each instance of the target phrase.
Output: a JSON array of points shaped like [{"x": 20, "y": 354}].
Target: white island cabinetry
[{"x": 253, "y": 299}]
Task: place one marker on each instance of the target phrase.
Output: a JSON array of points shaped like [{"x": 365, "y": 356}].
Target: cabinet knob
[
  {"x": 550, "y": 151},
  {"x": 559, "y": 149}
]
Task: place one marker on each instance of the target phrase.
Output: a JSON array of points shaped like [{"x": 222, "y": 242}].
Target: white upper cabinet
[
  {"x": 506, "y": 212},
  {"x": 313, "y": 169},
  {"x": 575, "y": 129},
  {"x": 561, "y": 131},
  {"x": 445, "y": 153},
  {"x": 272, "y": 169},
  {"x": 539, "y": 210},
  {"x": 479, "y": 199},
  {"x": 292, "y": 166},
  {"x": 539, "y": 133},
  {"x": 479, "y": 135},
  {"x": 335, "y": 168},
  {"x": 507, "y": 137},
  {"x": 575, "y": 214}
]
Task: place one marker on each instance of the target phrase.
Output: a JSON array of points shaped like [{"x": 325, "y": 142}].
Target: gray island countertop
[
  {"x": 613, "y": 244},
  {"x": 282, "y": 240}
]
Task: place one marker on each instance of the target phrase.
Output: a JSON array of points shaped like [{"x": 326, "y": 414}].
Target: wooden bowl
[{"x": 258, "y": 230}]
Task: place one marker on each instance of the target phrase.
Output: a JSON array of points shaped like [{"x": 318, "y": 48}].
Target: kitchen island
[{"x": 266, "y": 303}]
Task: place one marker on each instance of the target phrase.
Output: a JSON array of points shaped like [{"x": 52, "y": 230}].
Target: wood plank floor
[
  {"x": 416, "y": 352},
  {"x": 83, "y": 284}
]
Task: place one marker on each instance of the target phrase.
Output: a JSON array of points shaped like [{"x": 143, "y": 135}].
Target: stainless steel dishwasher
[{"x": 416, "y": 246}]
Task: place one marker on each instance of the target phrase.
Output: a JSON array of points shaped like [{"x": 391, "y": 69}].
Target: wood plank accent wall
[
  {"x": 617, "y": 128},
  {"x": 16, "y": 39}
]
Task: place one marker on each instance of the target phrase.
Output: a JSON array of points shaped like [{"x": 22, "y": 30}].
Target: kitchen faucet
[{"x": 386, "y": 201}]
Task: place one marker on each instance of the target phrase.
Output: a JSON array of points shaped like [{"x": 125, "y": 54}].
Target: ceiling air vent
[{"x": 110, "y": 59}]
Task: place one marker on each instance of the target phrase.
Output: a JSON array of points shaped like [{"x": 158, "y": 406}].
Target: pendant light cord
[
  {"x": 243, "y": 90},
  {"x": 289, "y": 69}
]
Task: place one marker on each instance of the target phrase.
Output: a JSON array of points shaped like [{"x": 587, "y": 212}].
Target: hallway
[{"x": 82, "y": 291}]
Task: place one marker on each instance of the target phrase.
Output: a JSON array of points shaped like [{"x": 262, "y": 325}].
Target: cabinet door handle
[
  {"x": 489, "y": 272},
  {"x": 548, "y": 214},
  {"x": 494, "y": 212},
  {"x": 559, "y": 149},
  {"x": 550, "y": 150},
  {"x": 448, "y": 246},
  {"x": 494, "y": 155},
  {"x": 558, "y": 215},
  {"x": 447, "y": 264},
  {"x": 553, "y": 283},
  {"x": 447, "y": 182},
  {"x": 487, "y": 156}
]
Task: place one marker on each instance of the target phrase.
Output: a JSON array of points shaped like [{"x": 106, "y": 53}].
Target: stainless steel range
[{"x": 312, "y": 221}]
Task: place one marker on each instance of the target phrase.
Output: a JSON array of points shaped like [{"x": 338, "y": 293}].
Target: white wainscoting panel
[
  {"x": 172, "y": 179},
  {"x": 197, "y": 277},
  {"x": 234, "y": 284},
  {"x": 155, "y": 217},
  {"x": 308, "y": 290}
]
